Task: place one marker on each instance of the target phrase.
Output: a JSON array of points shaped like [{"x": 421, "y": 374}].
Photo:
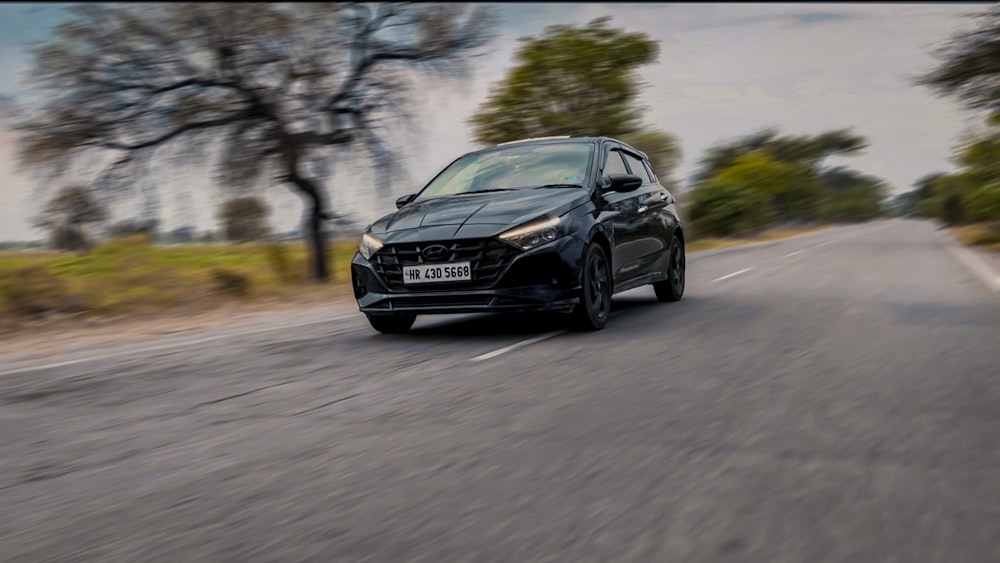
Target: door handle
[{"x": 642, "y": 209}]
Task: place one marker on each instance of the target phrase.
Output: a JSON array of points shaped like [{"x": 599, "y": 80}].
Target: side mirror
[
  {"x": 402, "y": 201},
  {"x": 623, "y": 183}
]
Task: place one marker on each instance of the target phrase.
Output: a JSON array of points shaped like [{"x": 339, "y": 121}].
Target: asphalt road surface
[{"x": 834, "y": 397}]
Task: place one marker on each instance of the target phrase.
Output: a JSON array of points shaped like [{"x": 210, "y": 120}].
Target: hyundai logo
[{"x": 435, "y": 252}]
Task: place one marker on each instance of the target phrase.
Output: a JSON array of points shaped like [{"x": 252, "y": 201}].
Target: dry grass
[
  {"x": 129, "y": 275},
  {"x": 711, "y": 243},
  {"x": 981, "y": 235}
]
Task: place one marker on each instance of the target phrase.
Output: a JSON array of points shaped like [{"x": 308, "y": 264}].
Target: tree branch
[
  {"x": 180, "y": 130},
  {"x": 195, "y": 82},
  {"x": 369, "y": 60}
]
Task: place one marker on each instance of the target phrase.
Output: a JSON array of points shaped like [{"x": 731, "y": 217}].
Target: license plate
[{"x": 431, "y": 273}]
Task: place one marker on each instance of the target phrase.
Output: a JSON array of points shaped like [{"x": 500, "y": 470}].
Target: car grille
[{"x": 488, "y": 257}]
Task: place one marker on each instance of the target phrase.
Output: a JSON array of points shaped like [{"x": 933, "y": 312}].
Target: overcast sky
[{"x": 724, "y": 70}]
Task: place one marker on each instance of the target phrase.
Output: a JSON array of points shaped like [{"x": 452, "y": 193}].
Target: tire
[
  {"x": 392, "y": 324},
  {"x": 595, "y": 296},
  {"x": 672, "y": 288}
]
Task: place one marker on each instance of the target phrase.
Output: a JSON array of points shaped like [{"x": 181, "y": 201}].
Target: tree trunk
[{"x": 316, "y": 243}]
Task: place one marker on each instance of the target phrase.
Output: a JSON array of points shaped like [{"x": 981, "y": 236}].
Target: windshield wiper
[
  {"x": 551, "y": 186},
  {"x": 488, "y": 190}
]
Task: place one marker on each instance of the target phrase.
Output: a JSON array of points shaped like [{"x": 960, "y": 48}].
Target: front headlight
[
  {"x": 537, "y": 233},
  {"x": 369, "y": 245}
]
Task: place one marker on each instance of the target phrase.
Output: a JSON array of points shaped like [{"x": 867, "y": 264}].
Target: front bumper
[{"x": 543, "y": 279}]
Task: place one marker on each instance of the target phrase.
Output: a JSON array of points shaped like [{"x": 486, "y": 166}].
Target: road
[{"x": 833, "y": 397}]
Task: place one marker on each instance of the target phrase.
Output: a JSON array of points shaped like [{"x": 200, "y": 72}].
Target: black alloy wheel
[
  {"x": 595, "y": 299},
  {"x": 672, "y": 288}
]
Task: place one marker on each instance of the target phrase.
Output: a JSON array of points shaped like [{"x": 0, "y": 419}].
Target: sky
[{"x": 724, "y": 70}]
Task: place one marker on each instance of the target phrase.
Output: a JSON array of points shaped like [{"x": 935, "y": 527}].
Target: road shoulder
[
  {"x": 70, "y": 337},
  {"x": 983, "y": 264}
]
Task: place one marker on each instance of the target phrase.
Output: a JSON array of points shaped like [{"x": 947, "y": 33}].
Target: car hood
[{"x": 474, "y": 215}]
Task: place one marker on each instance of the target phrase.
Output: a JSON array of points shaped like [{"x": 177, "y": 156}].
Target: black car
[{"x": 552, "y": 224}]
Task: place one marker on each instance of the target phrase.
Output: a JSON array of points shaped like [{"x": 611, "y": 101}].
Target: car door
[
  {"x": 655, "y": 223},
  {"x": 626, "y": 221}
]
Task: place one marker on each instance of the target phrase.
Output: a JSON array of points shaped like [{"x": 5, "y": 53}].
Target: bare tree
[
  {"x": 244, "y": 219},
  {"x": 67, "y": 215},
  {"x": 277, "y": 92}
]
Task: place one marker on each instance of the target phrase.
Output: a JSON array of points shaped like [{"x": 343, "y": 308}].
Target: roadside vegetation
[
  {"x": 130, "y": 272},
  {"x": 766, "y": 180},
  {"x": 131, "y": 275},
  {"x": 967, "y": 199},
  {"x": 983, "y": 235}
]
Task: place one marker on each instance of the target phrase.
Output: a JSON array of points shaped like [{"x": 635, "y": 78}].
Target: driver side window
[{"x": 615, "y": 164}]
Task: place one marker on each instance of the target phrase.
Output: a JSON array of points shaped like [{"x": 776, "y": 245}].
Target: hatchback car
[{"x": 553, "y": 224}]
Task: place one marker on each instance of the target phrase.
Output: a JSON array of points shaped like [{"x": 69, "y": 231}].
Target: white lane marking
[
  {"x": 822, "y": 244},
  {"x": 517, "y": 345},
  {"x": 975, "y": 264},
  {"x": 790, "y": 254},
  {"x": 168, "y": 346},
  {"x": 727, "y": 276}
]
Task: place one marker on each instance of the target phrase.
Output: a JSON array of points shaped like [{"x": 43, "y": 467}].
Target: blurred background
[
  {"x": 176, "y": 124},
  {"x": 828, "y": 394}
]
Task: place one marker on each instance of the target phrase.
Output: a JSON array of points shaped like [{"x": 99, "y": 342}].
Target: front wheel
[
  {"x": 595, "y": 298},
  {"x": 392, "y": 324},
  {"x": 672, "y": 288}
]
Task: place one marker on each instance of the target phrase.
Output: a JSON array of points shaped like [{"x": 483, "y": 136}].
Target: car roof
[{"x": 565, "y": 139}]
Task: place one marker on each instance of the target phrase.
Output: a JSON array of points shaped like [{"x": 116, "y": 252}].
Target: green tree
[
  {"x": 570, "y": 81},
  {"x": 805, "y": 149},
  {"x": 281, "y": 89},
  {"x": 723, "y": 209},
  {"x": 721, "y": 156},
  {"x": 852, "y": 196},
  {"x": 981, "y": 162},
  {"x": 981, "y": 159},
  {"x": 983, "y": 203},
  {"x": 67, "y": 216},
  {"x": 965, "y": 195},
  {"x": 581, "y": 81},
  {"x": 787, "y": 172},
  {"x": 948, "y": 201},
  {"x": 969, "y": 65},
  {"x": 244, "y": 219},
  {"x": 923, "y": 195},
  {"x": 788, "y": 188}
]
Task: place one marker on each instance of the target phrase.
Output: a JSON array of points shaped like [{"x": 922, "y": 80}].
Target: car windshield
[{"x": 514, "y": 167}]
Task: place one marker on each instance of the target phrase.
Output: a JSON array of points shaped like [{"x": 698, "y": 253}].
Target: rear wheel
[
  {"x": 672, "y": 288},
  {"x": 595, "y": 298},
  {"x": 392, "y": 324}
]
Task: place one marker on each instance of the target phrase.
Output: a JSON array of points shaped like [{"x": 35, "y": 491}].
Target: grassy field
[
  {"x": 980, "y": 235},
  {"x": 127, "y": 275}
]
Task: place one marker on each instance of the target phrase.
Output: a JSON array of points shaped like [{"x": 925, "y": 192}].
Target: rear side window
[
  {"x": 637, "y": 168},
  {"x": 649, "y": 170},
  {"x": 615, "y": 164}
]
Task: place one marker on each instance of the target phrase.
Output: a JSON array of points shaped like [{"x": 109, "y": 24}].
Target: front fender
[{"x": 601, "y": 223}]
